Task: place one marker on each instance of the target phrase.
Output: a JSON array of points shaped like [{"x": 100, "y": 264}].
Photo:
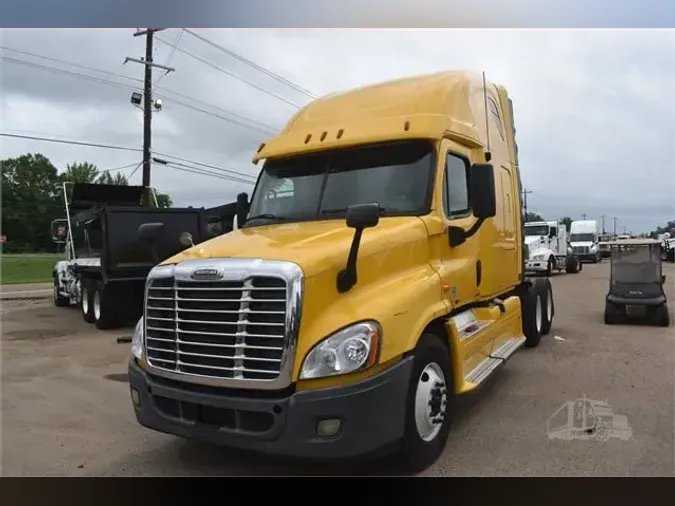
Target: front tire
[
  {"x": 612, "y": 314},
  {"x": 429, "y": 404},
  {"x": 662, "y": 316},
  {"x": 550, "y": 267},
  {"x": 59, "y": 300},
  {"x": 573, "y": 265},
  {"x": 546, "y": 291}
]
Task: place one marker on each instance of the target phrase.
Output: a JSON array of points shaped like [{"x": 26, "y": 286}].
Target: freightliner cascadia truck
[{"x": 375, "y": 275}]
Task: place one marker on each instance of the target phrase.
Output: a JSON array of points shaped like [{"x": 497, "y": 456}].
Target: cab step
[{"x": 498, "y": 357}]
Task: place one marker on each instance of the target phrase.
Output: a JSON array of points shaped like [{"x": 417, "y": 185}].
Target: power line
[
  {"x": 231, "y": 74},
  {"x": 204, "y": 172},
  {"x": 63, "y": 141},
  {"x": 65, "y": 62},
  {"x": 168, "y": 58},
  {"x": 133, "y": 89},
  {"x": 206, "y": 165},
  {"x": 253, "y": 64}
]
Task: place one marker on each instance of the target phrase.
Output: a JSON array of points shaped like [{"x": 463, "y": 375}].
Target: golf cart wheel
[
  {"x": 103, "y": 306},
  {"x": 546, "y": 291},
  {"x": 429, "y": 404},
  {"x": 532, "y": 308},
  {"x": 662, "y": 316},
  {"x": 612, "y": 314},
  {"x": 86, "y": 301},
  {"x": 59, "y": 300}
]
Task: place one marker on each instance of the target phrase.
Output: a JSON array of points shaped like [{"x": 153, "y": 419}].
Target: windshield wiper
[{"x": 267, "y": 216}]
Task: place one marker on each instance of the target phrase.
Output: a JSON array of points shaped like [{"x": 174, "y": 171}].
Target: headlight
[
  {"x": 538, "y": 257},
  {"x": 137, "y": 340},
  {"x": 351, "y": 349}
]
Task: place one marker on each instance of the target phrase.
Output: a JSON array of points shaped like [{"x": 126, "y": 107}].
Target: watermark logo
[{"x": 588, "y": 419}]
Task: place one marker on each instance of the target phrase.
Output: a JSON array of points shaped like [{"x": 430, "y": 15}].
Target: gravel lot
[{"x": 66, "y": 408}]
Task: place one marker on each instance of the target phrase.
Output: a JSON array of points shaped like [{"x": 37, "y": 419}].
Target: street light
[{"x": 136, "y": 98}]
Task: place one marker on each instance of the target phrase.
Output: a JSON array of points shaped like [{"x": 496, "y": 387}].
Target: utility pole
[
  {"x": 525, "y": 192},
  {"x": 583, "y": 216},
  {"x": 603, "y": 224},
  {"x": 148, "y": 104},
  {"x": 615, "y": 226}
]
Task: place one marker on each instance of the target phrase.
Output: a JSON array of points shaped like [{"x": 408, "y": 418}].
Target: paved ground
[{"x": 66, "y": 409}]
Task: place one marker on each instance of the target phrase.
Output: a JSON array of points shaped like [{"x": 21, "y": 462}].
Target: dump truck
[
  {"x": 375, "y": 274},
  {"x": 106, "y": 265}
]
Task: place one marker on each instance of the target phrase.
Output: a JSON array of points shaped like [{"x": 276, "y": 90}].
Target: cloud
[{"x": 595, "y": 132}]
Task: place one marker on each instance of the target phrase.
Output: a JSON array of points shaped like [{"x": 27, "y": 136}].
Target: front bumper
[
  {"x": 536, "y": 265},
  {"x": 371, "y": 412},
  {"x": 628, "y": 301}
]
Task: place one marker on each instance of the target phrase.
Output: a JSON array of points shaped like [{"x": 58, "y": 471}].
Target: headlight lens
[
  {"x": 137, "y": 340},
  {"x": 538, "y": 257},
  {"x": 351, "y": 349}
]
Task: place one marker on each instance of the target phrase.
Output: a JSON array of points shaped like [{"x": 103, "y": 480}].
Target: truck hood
[
  {"x": 314, "y": 246},
  {"x": 586, "y": 244}
]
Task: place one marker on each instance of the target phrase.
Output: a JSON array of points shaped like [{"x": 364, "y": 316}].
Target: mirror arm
[{"x": 347, "y": 278}]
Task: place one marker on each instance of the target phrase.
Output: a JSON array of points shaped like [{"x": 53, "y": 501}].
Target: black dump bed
[{"x": 124, "y": 256}]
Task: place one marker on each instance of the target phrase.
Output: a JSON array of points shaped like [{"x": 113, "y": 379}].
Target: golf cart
[{"x": 636, "y": 282}]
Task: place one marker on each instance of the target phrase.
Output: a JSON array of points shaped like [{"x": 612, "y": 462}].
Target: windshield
[
  {"x": 536, "y": 230},
  {"x": 636, "y": 264},
  {"x": 582, "y": 238},
  {"x": 397, "y": 176}
]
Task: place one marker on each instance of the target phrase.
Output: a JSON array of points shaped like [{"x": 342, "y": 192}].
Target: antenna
[{"x": 488, "y": 154}]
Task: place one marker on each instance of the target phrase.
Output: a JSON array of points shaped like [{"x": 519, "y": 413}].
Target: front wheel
[
  {"x": 428, "y": 405},
  {"x": 532, "y": 309},
  {"x": 612, "y": 314},
  {"x": 662, "y": 316}
]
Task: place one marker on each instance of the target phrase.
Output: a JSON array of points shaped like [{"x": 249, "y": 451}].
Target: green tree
[
  {"x": 530, "y": 216},
  {"x": 30, "y": 201},
  {"x": 567, "y": 221},
  {"x": 163, "y": 200},
  {"x": 81, "y": 173},
  {"x": 108, "y": 178}
]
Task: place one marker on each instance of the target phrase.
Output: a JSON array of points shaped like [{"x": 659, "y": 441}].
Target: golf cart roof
[{"x": 633, "y": 242}]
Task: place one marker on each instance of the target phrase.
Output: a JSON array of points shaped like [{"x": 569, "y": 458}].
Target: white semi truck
[
  {"x": 585, "y": 240},
  {"x": 548, "y": 249}
]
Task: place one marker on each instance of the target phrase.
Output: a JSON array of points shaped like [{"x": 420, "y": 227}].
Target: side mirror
[
  {"x": 482, "y": 189},
  {"x": 359, "y": 217},
  {"x": 362, "y": 216},
  {"x": 456, "y": 236},
  {"x": 663, "y": 279},
  {"x": 242, "y": 208},
  {"x": 150, "y": 232}
]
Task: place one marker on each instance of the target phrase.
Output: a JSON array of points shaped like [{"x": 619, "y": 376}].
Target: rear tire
[
  {"x": 548, "y": 306},
  {"x": 573, "y": 265},
  {"x": 532, "y": 313},
  {"x": 662, "y": 316},
  {"x": 103, "y": 306},
  {"x": 59, "y": 300},
  {"x": 612, "y": 314},
  {"x": 429, "y": 404},
  {"x": 550, "y": 267},
  {"x": 87, "y": 301}
]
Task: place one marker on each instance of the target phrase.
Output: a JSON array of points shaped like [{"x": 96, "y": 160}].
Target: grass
[{"x": 28, "y": 267}]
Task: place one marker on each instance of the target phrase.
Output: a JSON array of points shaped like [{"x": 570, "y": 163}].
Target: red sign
[{"x": 3, "y": 239}]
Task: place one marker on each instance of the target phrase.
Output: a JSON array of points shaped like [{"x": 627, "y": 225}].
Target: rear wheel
[
  {"x": 87, "y": 301},
  {"x": 612, "y": 314},
  {"x": 533, "y": 315},
  {"x": 103, "y": 306},
  {"x": 546, "y": 291},
  {"x": 429, "y": 404},
  {"x": 573, "y": 265},
  {"x": 662, "y": 316}
]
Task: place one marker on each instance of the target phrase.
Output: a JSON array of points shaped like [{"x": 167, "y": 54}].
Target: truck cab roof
[{"x": 88, "y": 195}]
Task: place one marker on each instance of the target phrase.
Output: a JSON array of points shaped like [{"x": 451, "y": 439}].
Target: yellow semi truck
[{"x": 376, "y": 274}]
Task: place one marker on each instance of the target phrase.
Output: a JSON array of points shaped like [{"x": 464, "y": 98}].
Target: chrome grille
[
  {"x": 581, "y": 249},
  {"x": 217, "y": 329}
]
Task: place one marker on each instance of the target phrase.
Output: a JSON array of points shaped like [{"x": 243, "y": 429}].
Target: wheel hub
[
  {"x": 97, "y": 305},
  {"x": 430, "y": 402}
]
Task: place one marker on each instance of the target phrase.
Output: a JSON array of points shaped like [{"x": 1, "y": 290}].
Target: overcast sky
[{"x": 593, "y": 109}]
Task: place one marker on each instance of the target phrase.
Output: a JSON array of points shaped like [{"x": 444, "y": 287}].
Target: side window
[
  {"x": 494, "y": 112},
  {"x": 456, "y": 187}
]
